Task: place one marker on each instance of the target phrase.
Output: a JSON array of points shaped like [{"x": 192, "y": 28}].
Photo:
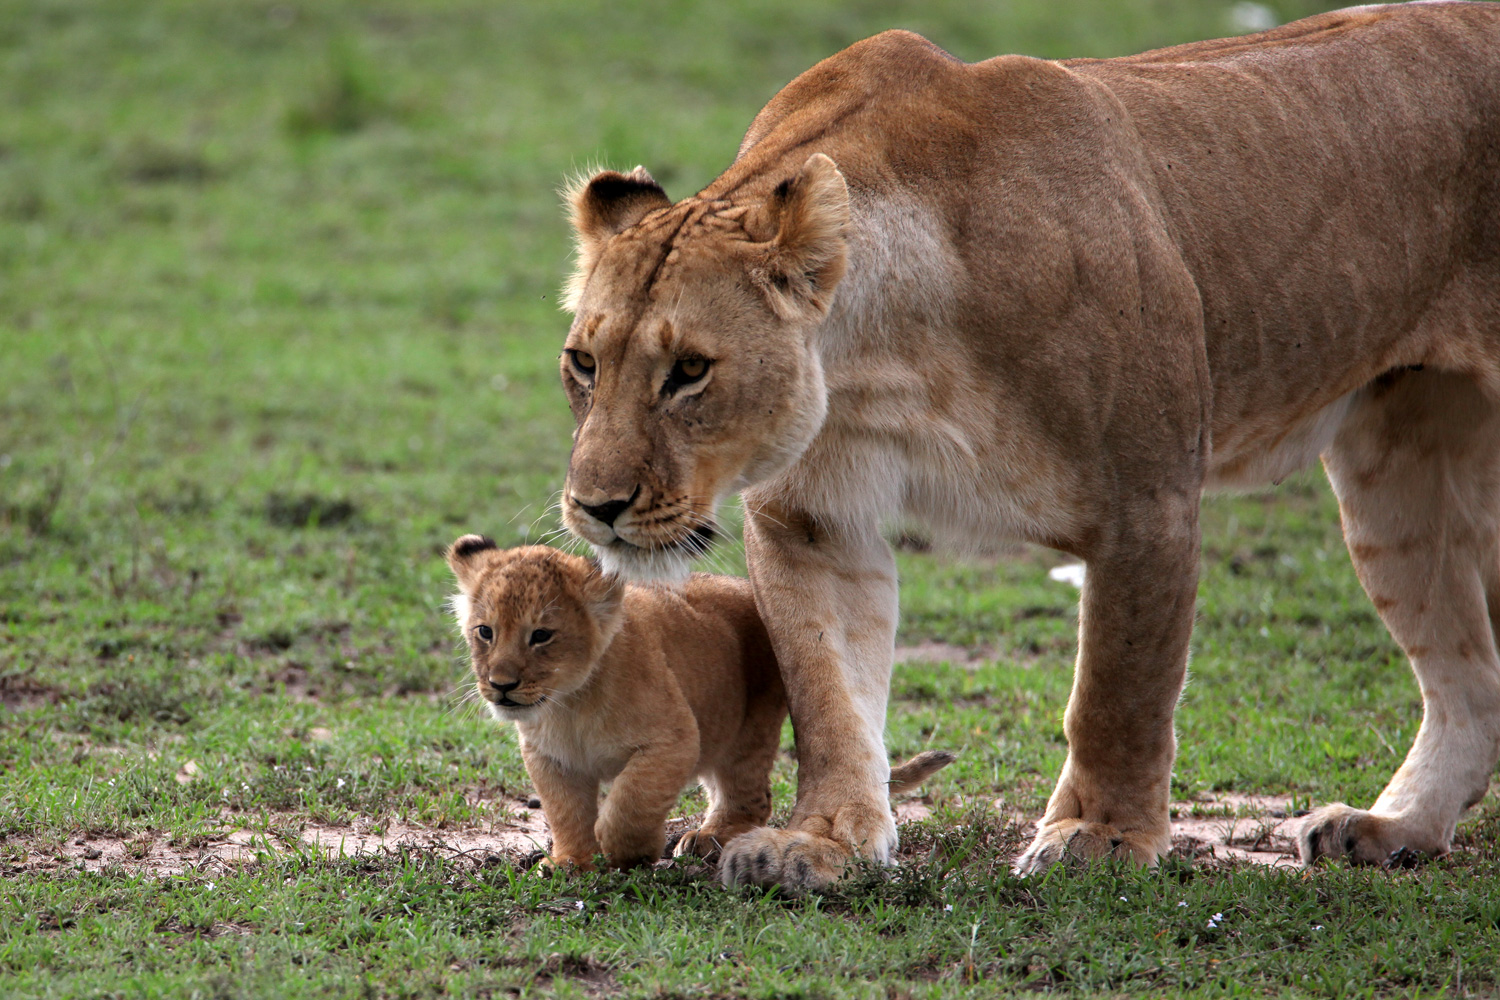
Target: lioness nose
[{"x": 607, "y": 512}]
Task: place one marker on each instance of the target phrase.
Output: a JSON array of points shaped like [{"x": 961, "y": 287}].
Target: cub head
[
  {"x": 691, "y": 365},
  {"x": 536, "y": 621}
]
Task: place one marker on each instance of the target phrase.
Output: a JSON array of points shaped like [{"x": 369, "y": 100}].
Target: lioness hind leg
[{"x": 1416, "y": 467}]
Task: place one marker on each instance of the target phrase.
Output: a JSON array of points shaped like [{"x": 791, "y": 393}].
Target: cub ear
[
  {"x": 806, "y": 258},
  {"x": 462, "y": 558},
  {"x": 603, "y": 593},
  {"x": 608, "y": 203}
]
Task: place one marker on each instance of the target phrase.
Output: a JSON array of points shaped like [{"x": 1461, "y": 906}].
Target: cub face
[
  {"x": 690, "y": 365},
  {"x": 536, "y": 620}
]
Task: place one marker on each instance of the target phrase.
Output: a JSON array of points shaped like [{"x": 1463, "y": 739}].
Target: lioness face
[
  {"x": 690, "y": 365},
  {"x": 536, "y": 621}
]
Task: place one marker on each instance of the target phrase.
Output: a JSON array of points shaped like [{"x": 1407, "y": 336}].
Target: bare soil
[{"x": 1255, "y": 829}]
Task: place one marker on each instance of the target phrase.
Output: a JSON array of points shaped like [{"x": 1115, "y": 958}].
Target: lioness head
[
  {"x": 690, "y": 365},
  {"x": 536, "y": 621}
]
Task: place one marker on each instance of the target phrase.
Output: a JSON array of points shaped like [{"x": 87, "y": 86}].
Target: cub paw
[
  {"x": 1075, "y": 843},
  {"x": 1358, "y": 836},
  {"x": 702, "y": 843},
  {"x": 796, "y": 859}
]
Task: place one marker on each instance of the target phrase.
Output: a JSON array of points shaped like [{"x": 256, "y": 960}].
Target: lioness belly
[{"x": 1247, "y": 461}]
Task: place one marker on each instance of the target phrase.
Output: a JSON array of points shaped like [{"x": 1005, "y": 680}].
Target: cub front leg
[
  {"x": 570, "y": 802},
  {"x": 1135, "y": 620},
  {"x": 828, "y": 597},
  {"x": 632, "y": 824}
]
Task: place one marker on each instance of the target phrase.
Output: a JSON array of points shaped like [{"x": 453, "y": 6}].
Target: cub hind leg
[
  {"x": 1416, "y": 467},
  {"x": 739, "y": 788}
]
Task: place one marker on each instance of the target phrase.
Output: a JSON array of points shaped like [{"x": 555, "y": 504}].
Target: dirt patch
[
  {"x": 1259, "y": 829},
  {"x": 912, "y": 811},
  {"x": 1230, "y": 828},
  {"x": 592, "y": 977},
  {"x": 144, "y": 854},
  {"x": 513, "y": 840},
  {"x": 520, "y": 833},
  {"x": 943, "y": 652},
  {"x": 22, "y": 691}
]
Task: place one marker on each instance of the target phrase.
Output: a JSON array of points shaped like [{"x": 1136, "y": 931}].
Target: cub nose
[
  {"x": 505, "y": 689},
  {"x": 607, "y": 512}
]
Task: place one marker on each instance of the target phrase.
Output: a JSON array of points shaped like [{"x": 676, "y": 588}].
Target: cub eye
[
  {"x": 485, "y": 632},
  {"x": 685, "y": 372},
  {"x": 583, "y": 361},
  {"x": 540, "y": 636}
]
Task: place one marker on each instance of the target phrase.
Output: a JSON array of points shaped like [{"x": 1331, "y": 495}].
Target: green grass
[{"x": 277, "y": 323}]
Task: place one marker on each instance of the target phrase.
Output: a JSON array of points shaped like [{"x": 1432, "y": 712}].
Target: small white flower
[
  {"x": 209, "y": 886},
  {"x": 1182, "y": 903},
  {"x": 948, "y": 908},
  {"x": 1070, "y": 574},
  {"x": 1218, "y": 916},
  {"x": 1317, "y": 927},
  {"x": 340, "y": 783},
  {"x": 1124, "y": 900},
  {"x": 578, "y": 905}
]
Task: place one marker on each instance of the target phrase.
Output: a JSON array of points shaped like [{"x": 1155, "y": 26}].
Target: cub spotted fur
[{"x": 644, "y": 687}]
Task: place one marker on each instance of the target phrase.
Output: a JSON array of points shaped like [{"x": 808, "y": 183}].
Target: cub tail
[{"x": 909, "y": 776}]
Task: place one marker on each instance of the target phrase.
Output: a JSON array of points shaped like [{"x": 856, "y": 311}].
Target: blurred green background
[{"x": 278, "y": 322}]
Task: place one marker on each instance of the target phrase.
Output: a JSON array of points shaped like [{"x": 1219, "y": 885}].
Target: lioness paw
[
  {"x": 798, "y": 860},
  {"x": 1340, "y": 831},
  {"x": 1076, "y": 842}
]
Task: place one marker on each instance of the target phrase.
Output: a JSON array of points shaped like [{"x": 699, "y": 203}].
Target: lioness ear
[
  {"x": 806, "y": 258},
  {"x": 462, "y": 558},
  {"x": 608, "y": 203}
]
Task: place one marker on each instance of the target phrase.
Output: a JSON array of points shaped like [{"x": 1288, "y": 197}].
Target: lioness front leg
[
  {"x": 828, "y": 597},
  {"x": 1136, "y": 617}
]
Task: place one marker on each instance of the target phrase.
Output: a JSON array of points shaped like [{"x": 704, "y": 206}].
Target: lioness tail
[{"x": 906, "y": 777}]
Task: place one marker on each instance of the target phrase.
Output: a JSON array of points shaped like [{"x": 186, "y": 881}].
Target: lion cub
[{"x": 644, "y": 687}]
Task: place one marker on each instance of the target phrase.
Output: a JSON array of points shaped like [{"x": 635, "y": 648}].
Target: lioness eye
[
  {"x": 485, "y": 632},
  {"x": 685, "y": 372},
  {"x": 583, "y": 361},
  {"x": 540, "y": 636}
]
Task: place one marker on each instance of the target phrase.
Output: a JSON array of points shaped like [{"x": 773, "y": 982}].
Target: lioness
[
  {"x": 1056, "y": 301},
  {"x": 646, "y": 688}
]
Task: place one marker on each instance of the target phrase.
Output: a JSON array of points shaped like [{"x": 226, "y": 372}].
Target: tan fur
[
  {"x": 640, "y": 687},
  {"x": 1056, "y": 301}
]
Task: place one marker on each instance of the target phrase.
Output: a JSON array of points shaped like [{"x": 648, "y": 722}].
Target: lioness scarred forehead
[{"x": 689, "y": 365}]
